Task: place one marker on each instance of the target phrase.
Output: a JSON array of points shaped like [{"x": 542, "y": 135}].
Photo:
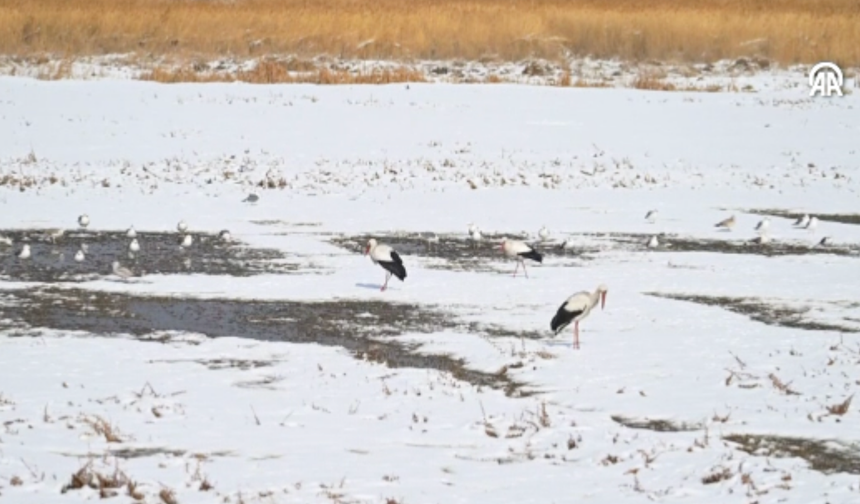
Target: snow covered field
[{"x": 720, "y": 371}]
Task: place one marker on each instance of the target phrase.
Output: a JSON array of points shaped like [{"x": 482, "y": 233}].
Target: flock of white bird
[
  {"x": 807, "y": 222},
  {"x": 574, "y": 309},
  {"x": 185, "y": 242},
  {"x": 579, "y": 305}
]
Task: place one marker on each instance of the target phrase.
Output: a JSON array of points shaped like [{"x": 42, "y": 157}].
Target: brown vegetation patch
[{"x": 787, "y": 31}]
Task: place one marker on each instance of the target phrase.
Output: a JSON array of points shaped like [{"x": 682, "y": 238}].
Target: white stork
[
  {"x": 802, "y": 221},
  {"x": 83, "y": 221},
  {"x": 520, "y": 251},
  {"x": 576, "y": 308},
  {"x": 386, "y": 257},
  {"x": 812, "y": 224}
]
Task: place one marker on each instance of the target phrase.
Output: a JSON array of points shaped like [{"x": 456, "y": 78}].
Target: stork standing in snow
[
  {"x": 386, "y": 257},
  {"x": 762, "y": 225},
  {"x": 802, "y": 221},
  {"x": 520, "y": 251},
  {"x": 812, "y": 224},
  {"x": 575, "y": 308},
  {"x": 651, "y": 216}
]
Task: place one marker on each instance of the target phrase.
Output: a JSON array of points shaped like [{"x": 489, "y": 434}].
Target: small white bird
[
  {"x": 431, "y": 239},
  {"x": 763, "y": 225},
  {"x": 121, "y": 271},
  {"x": 181, "y": 226},
  {"x": 543, "y": 233},
  {"x": 79, "y": 256},
  {"x": 25, "y": 252},
  {"x": 727, "y": 224},
  {"x": 55, "y": 234},
  {"x": 131, "y": 233},
  {"x": 134, "y": 246},
  {"x": 472, "y": 228},
  {"x": 83, "y": 220},
  {"x": 812, "y": 224},
  {"x": 186, "y": 241},
  {"x": 651, "y": 215},
  {"x": 802, "y": 221},
  {"x": 224, "y": 235},
  {"x": 476, "y": 236},
  {"x": 652, "y": 242},
  {"x": 5, "y": 241}
]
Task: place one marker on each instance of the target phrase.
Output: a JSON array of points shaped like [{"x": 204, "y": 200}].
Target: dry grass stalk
[
  {"x": 782, "y": 387},
  {"x": 167, "y": 496},
  {"x": 787, "y": 31},
  {"x": 841, "y": 408},
  {"x": 103, "y": 428},
  {"x": 721, "y": 474}
]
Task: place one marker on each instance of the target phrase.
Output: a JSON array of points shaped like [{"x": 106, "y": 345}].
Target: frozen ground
[{"x": 719, "y": 372}]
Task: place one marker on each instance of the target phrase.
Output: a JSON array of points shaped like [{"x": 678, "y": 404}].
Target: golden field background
[{"x": 784, "y": 31}]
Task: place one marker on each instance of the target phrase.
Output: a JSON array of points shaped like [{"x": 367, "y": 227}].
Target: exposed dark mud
[
  {"x": 352, "y": 325},
  {"x": 159, "y": 253},
  {"x": 826, "y": 456},
  {"x": 458, "y": 252},
  {"x": 673, "y": 243},
  {"x": 840, "y": 218},
  {"x": 761, "y": 311},
  {"x": 658, "y": 425}
]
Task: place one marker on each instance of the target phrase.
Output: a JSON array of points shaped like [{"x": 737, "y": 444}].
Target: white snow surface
[{"x": 319, "y": 425}]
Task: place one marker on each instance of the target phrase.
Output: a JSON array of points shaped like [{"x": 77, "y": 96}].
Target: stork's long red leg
[
  {"x": 385, "y": 285},
  {"x": 517, "y": 268},
  {"x": 576, "y": 335},
  {"x": 524, "y": 269}
]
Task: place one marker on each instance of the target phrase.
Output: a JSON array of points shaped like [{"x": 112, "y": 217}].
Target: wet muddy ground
[
  {"x": 840, "y": 218},
  {"x": 352, "y": 325},
  {"x": 761, "y": 311},
  {"x": 822, "y": 455},
  {"x": 54, "y": 261},
  {"x": 457, "y": 252},
  {"x": 673, "y": 243}
]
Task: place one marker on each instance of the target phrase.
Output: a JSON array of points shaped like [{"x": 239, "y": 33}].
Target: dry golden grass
[
  {"x": 786, "y": 31},
  {"x": 277, "y": 72}
]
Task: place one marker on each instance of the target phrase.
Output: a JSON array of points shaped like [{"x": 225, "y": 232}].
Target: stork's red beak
[{"x": 602, "y": 300}]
